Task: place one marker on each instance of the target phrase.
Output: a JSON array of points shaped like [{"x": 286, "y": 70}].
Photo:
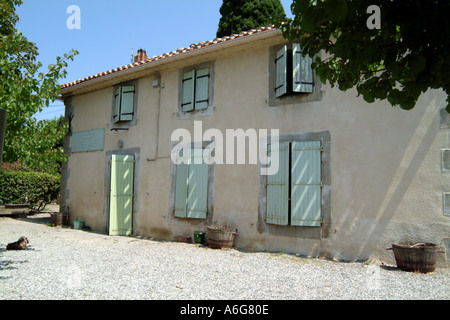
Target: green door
[{"x": 121, "y": 195}]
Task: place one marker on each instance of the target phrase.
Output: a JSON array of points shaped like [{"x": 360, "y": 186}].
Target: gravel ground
[{"x": 67, "y": 264}]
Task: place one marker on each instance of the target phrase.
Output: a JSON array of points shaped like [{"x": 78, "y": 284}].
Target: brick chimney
[{"x": 140, "y": 56}]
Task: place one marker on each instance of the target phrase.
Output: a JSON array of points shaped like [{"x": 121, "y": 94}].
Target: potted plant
[{"x": 220, "y": 236}]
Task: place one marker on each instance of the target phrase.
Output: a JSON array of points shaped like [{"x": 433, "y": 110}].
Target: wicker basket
[{"x": 415, "y": 256}]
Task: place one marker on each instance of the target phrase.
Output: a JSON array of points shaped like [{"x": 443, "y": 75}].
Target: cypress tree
[{"x": 243, "y": 15}]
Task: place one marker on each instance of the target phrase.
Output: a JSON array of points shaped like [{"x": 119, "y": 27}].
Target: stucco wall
[{"x": 386, "y": 177}]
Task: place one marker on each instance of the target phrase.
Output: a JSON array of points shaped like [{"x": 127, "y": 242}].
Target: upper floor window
[
  {"x": 123, "y": 103},
  {"x": 291, "y": 78},
  {"x": 293, "y": 71},
  {"x": 124, "y": 106},
  {"x": 196, "y": 90}
]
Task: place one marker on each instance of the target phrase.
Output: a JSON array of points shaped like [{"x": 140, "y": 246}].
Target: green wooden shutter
[
  {"x": 197, "y": 197},
  {"x": 201, "y": 89},
  {"x": 89, "y": 140},
  {"x": 281, "y": 67},
  {"x": 278, "y": 187},
  {"x": 306, "y": 181},
  {"x": 117, "y": 100},
  {"x": 188, "y": 91},
  {"x": 127, "y": 104},
  {"x": 181, "y": 183},
  {"x": 121, "y": 195},
  {"x": 302, "y": 71}
]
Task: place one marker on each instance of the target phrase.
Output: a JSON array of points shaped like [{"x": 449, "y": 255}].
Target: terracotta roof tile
[{"x": 179, "y": 51}]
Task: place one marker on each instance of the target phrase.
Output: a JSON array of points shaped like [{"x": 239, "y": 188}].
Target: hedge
[{"x": 35, "y": 188}]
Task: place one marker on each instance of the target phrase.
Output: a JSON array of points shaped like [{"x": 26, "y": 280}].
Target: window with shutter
[
  {"x": 197, "y": 189},
  {"x": 188, "y": 91},
  {"x": 196, "y": 90},
  {"x": 123, "y": 103},
  {"x": 281, "y": 71},
  {"x": 293, "y": 72},
  {"x": 191, "y": 189},
  {"x": 127, "y": 103},
  {"x": 201, "y": 89},
  {"x": 294, "y": 192},
  {"x": 278, "y": 187},
  {"x": 306, "y": 183},
  {"x": 302, "y": 71},
  {"x": 181, "y": 180},
  {"x": 117, "y": 101}
]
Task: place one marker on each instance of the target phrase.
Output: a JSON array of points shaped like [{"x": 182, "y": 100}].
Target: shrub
[
  {"x": 15, "y": 166},
  {"x": 35, "y": 188}
]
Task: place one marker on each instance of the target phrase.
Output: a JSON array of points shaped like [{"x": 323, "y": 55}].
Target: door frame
[{"x": 107, "y": 186}]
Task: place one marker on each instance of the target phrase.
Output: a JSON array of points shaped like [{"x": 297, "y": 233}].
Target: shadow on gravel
[
  {"x": 389, "y": 268},
  {"x": 40, "y": 218},
  {"x": 9, "y": 264}
]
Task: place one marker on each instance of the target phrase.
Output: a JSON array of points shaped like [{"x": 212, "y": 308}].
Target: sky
[{"x": 110, "y": 30}]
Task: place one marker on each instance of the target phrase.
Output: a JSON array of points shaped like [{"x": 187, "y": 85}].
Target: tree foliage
[
  {"x": 40, "y": 145},
  {"x": 25, "y": 90},
  {"x": 243, "y": 15},
  {"x": 406, "y": 56}
]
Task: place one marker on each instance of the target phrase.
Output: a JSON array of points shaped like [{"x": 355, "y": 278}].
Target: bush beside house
[{"x": 37, "y": 189}]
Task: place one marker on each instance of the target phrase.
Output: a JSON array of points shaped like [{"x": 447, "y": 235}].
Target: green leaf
[
  {"x": 418, "y": 63},
  {"x": 335, "y": 9}
]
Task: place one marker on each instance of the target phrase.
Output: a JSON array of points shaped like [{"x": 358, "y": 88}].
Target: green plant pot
[
  {"x": 78, "y": 224},
  {"x": 199, "y": 237}
]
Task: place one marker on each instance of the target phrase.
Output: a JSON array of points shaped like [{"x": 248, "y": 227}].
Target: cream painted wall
[
  {"x": 86, "y": 188},
  {"x": 386, "y": 178}
]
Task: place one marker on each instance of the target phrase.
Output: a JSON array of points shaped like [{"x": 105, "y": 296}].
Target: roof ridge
[{"x": 180, "y": 50}]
